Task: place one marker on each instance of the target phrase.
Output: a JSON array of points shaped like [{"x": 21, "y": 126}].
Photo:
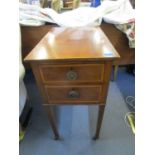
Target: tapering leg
[
  {"x": 115, "y": 71},
  {"x": 99, "y": 121},
  {"x": 51, "y": 118}
]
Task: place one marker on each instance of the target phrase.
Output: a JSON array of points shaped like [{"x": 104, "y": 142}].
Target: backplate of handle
[
  {"x": 73, "y": 94},
  {"x": 71, "y": 75}
]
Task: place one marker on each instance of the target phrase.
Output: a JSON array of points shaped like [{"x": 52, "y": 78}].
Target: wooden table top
[{"x": 73, "y": 43}]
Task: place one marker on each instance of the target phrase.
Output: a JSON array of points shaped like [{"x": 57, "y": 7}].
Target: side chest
[{"x": 72, "y": 83}]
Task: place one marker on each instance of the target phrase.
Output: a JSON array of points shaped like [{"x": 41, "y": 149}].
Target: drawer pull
[
  {"x": 71, "y": 74},
  {"x": 73, "y": 94}
]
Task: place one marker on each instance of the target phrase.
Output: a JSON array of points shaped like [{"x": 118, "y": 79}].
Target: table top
[{"x": 73, "y": 43}]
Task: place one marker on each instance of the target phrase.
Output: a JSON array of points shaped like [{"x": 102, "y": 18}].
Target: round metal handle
[
  {"x": 73, "y": 94},
  {"x": 71, "y": 75}
]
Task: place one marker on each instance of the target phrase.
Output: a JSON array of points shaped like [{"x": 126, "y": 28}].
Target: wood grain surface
[{"x": 73, "y": 43}]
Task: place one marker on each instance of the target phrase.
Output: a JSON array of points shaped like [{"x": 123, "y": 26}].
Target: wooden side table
[{"x": 73, "y": 66}]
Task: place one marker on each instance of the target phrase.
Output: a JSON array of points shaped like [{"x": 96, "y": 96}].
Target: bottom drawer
[{"x": 73, "y": 94}]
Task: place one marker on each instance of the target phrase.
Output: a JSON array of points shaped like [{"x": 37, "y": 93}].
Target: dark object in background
[
  {"x": 131, "y": 69},
  {"x": 26, "y": 114},
  {"x": 132, "y": 3}
]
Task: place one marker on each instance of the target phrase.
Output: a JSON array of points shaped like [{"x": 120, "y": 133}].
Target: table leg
[
  {"x": 99, "y": 121},
  {"x": 50, "y": 114},
  {"x": 115, "y": 71}
]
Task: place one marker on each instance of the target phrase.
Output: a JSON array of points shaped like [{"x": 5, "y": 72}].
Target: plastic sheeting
[
  {"x": 115, "y": 12},
  {"x": 120, "y": 13}
]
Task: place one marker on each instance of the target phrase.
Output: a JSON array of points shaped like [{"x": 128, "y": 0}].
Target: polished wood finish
[
  {"x": 99, "y": 121},
  {"x": 115, "y": 68},
  {"x": 87, "y": 94},
  {"x": 121, "y": 44},
  {"x": 51, "y": 117},
  {"x": 73, "y": 66},
  {"x": 59, "y": 73},
  {"x": 66, "y": 44},
  {"x": 32, "y": 35}
]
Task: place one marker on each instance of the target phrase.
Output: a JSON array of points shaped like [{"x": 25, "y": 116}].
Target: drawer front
[
  {"x": 73, "y": 94},
  {"x": 72, "y": 73}
]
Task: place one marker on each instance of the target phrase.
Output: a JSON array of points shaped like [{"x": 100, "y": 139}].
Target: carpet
[{"x": 77, "y": 126}]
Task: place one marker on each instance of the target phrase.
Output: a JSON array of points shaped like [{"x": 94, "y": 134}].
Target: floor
[
  {"x": 125, "y": 82},
  {"x": 77, "y": 124}
]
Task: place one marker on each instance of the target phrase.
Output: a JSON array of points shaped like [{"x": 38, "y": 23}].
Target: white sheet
[{"x": 115, "y": 12}]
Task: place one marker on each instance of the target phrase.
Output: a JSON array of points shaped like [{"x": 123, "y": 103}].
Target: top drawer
[{"x": 72, "y": 73}]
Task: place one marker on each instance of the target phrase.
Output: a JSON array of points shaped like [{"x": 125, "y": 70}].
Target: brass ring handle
[
  {"x": 73, "y": 94},
  {"x": 71, "y": 75}
]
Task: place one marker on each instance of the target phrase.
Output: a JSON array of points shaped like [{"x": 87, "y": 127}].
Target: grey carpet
[
  {"x": 77, "y": 126},
  {"x": 125, "y": 82}
]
